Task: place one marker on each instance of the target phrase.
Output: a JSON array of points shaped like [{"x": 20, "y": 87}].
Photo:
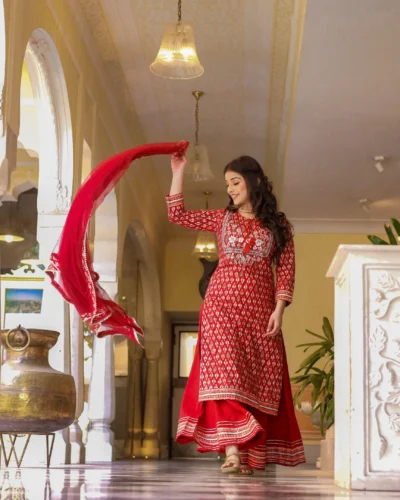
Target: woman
[{"x": 238, "y": 399}]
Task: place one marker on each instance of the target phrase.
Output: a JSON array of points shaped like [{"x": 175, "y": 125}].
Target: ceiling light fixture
[
  {"x": 198, "y": 164},
  {"x": 365, "y": 204},
  {"x": 379, "y": 163},
  {"x": 10, "y": 230},
  {"x": 206, "y": 245},
  {"x": 177, "y": 57}
]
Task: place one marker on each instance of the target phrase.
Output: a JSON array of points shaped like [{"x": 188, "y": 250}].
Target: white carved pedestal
[{"x": 367, "y": 366}]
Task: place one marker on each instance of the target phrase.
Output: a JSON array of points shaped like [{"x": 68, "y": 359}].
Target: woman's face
[{"x": 236, "y": 188}]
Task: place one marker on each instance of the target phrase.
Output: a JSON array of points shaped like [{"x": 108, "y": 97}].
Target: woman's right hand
[{"x": 178, "y": 163}]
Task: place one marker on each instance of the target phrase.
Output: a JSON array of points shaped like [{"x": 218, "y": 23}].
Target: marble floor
[{"x": 174, "y": 479}]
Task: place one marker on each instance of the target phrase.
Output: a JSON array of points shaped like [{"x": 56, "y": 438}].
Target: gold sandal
[{"x": 234, "y": 467}]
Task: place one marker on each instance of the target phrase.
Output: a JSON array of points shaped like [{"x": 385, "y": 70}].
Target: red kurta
[{"x": 238, "y": 390}]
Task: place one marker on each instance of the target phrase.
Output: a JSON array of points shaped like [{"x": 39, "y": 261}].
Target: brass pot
[{"x": 33, "y": 396}]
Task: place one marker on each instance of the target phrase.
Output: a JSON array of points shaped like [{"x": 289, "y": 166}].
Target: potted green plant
[
  {"x": 321, "y": 377},
  {"x": 393, "y": 240}
]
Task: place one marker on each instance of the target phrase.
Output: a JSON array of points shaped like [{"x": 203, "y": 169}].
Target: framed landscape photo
[{"x": 23, "y": 300}]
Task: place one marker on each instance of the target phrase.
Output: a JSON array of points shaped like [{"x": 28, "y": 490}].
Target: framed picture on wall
[{"x": 23, "y": 301}]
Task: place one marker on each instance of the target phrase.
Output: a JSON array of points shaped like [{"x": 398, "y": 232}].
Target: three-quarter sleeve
[
  {"x": 200, "y": 220},
  {"x": 285, "y": 273}
]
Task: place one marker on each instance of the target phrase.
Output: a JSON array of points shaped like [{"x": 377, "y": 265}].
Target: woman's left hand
[{"x": 274, "y": 323}]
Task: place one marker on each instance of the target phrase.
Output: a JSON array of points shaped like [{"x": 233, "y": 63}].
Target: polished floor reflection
[{"x": 175, "y": 480}]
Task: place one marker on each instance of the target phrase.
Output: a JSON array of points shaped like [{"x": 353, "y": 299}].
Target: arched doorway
[
  {"x": 140, "y": 295},
  {"x": 129, "y": 359},
  {"x": 18, "y": 217},
  {"x": 43, "y": 168},
  {"x": 54, "y": 124},
  {"x": 43, "y": 156}
]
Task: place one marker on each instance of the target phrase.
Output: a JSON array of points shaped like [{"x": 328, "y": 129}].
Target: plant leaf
[
  {"x": 316, "y": 335},
  {"x": 375, "y": 240},
  {"x": 300, "y": 378},
  {"x": 391, "y": 236},
  {"x": 310, "y": 344},
  {"x": 330, "y": 408},
  {"x": 396, "y": 225},
  {"x": 327, "y": 329},
  {"x": 318, "y": 370},
  {"x": 317, "y": 383},
  {"x": 297, "y": 397},
  {"x": 313, "y": 358}
]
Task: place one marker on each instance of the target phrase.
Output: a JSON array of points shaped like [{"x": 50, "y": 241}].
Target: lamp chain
[
  {"x": 179, "y": 11},
  {"x": 207, "y": 195},
  {"x": 197, "y": 122}
]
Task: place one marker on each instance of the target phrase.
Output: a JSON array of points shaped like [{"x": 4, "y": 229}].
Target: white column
[
  {"x": 133, "y": 442},
  {"x": 101, "y": 404},
  {"x": 367, "y": 366},
  {"x": 101, "y": 411},
  {"x": 75, "y": 432},
  {"x": 151, "y": 444},
  {"x": 55, "y": 316}
]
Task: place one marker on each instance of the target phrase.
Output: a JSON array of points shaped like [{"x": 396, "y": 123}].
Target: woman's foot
[
  {"x": 231, "y": 464},
  {"x": 246, "y": 470}
]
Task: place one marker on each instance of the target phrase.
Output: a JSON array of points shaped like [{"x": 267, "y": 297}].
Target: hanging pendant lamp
[
  {"x": 206, "y": 244},
  {"x": 10, "y": 230},
  {"x": 177, "y": 57},
  {"x": 198, "y": 164}
]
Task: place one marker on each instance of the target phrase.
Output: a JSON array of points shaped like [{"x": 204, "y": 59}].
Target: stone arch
[
  {"x": 54, "y": 123},
  {"x": 141, "y": 439}
]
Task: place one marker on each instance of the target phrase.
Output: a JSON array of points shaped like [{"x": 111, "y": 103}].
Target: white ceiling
[
  {"x": 344, "y": 108},
  {"x": 347, "y": 110},
  {"x": 233, "y": 44}
]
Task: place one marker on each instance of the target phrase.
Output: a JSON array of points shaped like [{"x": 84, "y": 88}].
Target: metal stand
[{"x": 13, "y": 438}]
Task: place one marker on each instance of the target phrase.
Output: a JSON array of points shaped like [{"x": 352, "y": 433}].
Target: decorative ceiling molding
[
  {"x": 105, "y": 77},
  {"x": 338, "y": 226},
  {"x": 94, "y": 15},
  {"x": 286, "y": 47}
]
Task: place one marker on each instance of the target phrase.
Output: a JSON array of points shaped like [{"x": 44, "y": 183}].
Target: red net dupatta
[{"x": 71, "y": 267}]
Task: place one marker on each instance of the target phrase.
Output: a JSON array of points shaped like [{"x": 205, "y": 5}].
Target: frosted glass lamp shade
[
  {"x": 177, "y": 57},
  {"x": 198, "y": 164},
  {"x": 206, "y": 246}
]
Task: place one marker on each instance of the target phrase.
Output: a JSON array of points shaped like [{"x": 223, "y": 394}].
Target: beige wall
[{"x": 313, "y": 293}]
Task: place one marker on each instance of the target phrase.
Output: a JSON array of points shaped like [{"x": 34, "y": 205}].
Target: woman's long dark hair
[{"x": 262, "y": 200}]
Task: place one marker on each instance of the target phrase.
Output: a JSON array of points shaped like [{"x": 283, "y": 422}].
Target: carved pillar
[
  {"x": 133, "y": 444},
  {"x": 151, "y": 445},
  {"x": 367, "y": 367},
  {"x": 75, "y": 432}
]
